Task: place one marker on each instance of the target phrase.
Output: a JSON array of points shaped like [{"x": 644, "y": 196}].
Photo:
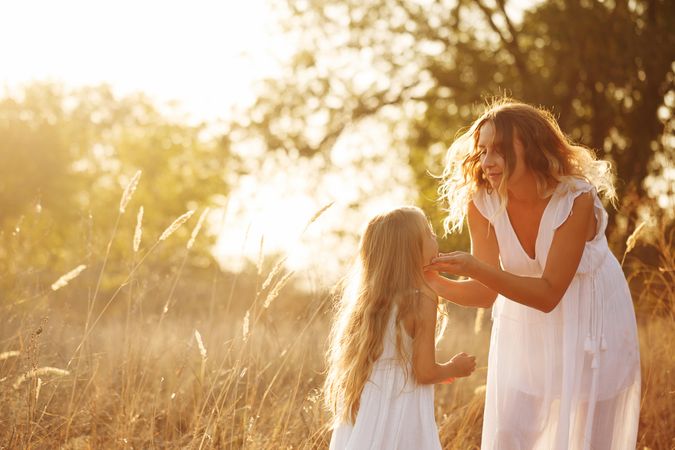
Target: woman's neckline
[{"x": 541, "y": 219}]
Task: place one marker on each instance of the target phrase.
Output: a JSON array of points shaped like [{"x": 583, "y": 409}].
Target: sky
[{"x": 204, "y": 54}]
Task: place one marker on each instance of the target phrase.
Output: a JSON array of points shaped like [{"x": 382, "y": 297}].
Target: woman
[{"x": 563, "y": 369}]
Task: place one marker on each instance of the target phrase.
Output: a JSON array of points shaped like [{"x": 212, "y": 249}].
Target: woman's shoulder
[
  {"x": 574, "y": 186},
  {"x": 568, "y": 190},
  {"x": 486, "y": 201}
]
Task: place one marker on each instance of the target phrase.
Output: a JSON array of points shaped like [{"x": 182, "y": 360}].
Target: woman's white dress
[
  {"x": 569, "y": 379},
  {"x": 395, "y": 412}
]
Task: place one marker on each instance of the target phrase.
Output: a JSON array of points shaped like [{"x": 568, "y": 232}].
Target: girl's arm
[
  {"x": 545, "y": 292},
  {"x": 484, "y": 247},
  {"x": 425, "y": 367}
]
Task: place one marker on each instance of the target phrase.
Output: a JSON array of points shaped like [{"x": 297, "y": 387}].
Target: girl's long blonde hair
[
  {"x": 388, "y": 273},
  {"x": 550, "y": 155}
]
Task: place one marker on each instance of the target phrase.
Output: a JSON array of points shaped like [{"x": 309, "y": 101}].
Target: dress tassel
[{"x": 588, "y": 344}]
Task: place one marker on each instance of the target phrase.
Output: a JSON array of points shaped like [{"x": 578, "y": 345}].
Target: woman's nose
[{"x": 488, "y": 160}]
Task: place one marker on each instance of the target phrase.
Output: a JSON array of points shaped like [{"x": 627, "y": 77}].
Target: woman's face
[{"x": 492, "y": 159}]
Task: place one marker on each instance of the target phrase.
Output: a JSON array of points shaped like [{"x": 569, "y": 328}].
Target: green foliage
[{"x": 65, "y": 159}]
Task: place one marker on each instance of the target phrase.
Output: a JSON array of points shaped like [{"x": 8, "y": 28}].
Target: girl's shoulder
[
  {"x": 428, "y": 295},
  {"x": 423, "y": 309},
  {"x": 424, "y": 302},
  {"x": 427, "y": 306}
]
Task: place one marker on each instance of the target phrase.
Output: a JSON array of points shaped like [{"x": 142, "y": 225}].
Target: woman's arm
[
  {"x": 484, "y": 247},
  {"x": 543, "y": 293},
  {"x": 470, "y": 293},
  {"x": 425, "y": 367}
]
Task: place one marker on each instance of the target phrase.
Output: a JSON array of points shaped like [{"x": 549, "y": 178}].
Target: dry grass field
[
  {"x": 163, "y": 361},
  {"x": 130, "y": 328}
]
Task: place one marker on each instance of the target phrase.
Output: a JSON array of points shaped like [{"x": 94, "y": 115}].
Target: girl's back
[{"x": 395, "y": 412}]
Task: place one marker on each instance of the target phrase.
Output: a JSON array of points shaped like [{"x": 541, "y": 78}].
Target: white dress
[
  {"x": 569, "y": 379},
  {"x": 395, "y": 413}
]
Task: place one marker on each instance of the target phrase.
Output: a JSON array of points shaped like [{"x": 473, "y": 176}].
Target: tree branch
[
  {"x": 360, "y": 112},
  {"x": 509, "y": 23},
  {"x": 510, "y": 43}
]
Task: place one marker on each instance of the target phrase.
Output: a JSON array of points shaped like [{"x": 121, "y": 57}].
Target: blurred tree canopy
[
  {"x": 65, "y": 159},
  {"x": 604, "y": 68}
]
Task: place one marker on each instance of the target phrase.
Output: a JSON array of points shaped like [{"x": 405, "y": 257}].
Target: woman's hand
[{"x": 455, "y": 263}]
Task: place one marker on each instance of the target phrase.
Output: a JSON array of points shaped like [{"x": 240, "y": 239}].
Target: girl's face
[
  {"x": 492, "y": 158},
  {"x": 429, "y": 246}
]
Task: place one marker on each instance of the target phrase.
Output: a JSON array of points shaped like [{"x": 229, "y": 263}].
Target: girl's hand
[
  {"x": 463, "y": 364},
  {"x": 455, "y": 263}
]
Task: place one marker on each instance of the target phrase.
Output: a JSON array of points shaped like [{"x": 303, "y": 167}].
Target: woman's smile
[{"x": 494, "y": 178}]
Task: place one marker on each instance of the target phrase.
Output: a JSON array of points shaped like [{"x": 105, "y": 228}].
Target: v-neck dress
[{"x": 568, "y": 379}]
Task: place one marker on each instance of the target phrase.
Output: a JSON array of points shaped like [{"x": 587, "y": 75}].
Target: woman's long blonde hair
[
  {"x": 550, "y": 155},
  {"x": 388, "y": 273}
]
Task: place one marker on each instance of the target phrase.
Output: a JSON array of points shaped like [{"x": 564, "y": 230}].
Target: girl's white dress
[
  {"x": 395, "y": 412},
  {"x": 569, "y": 379}
]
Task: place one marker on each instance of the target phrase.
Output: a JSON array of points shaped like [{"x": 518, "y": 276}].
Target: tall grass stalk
[{"x": 124, "y": 201}]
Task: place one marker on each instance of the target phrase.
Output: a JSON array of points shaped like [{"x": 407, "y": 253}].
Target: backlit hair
[
  {"x": 388, "y": 274},
  {"x": 549, "y": 154}
]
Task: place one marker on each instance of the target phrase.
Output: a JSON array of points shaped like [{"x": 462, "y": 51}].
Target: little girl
[{"x": 382, "y": 364}]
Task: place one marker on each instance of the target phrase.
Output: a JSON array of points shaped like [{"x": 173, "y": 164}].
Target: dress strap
[
  {"x": 568, "y": 190},
  {"x": 486, "y": 203}
]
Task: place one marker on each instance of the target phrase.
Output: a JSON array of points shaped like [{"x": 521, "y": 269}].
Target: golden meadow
[
  {"x": 236, "y": 361},
  {"x": 118, "y": 327}
]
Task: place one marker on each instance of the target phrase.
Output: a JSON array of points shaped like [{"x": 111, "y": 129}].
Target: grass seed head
[
  {"x": 633, "y": 238},
  {"x": 317, "y": 214},
  {"x": 139, "y": 230},
  {"x": 274, "y": 293},
  {"x": 129, "y": 191},
  {"x": 195, "y": 230},
  {"x": 67, "y": 278},
  {"x": 273, "y": 273},
  {"x": 41, "y": 371},
  {"x": 9, "y": 354},
  {"x": 245, "y": 326},
  {"x": 200, "y": 344},
  {"x": 176, "y": 224}
]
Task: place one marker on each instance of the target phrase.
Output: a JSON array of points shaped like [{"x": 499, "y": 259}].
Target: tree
[{"x": 602, "y": 67}]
